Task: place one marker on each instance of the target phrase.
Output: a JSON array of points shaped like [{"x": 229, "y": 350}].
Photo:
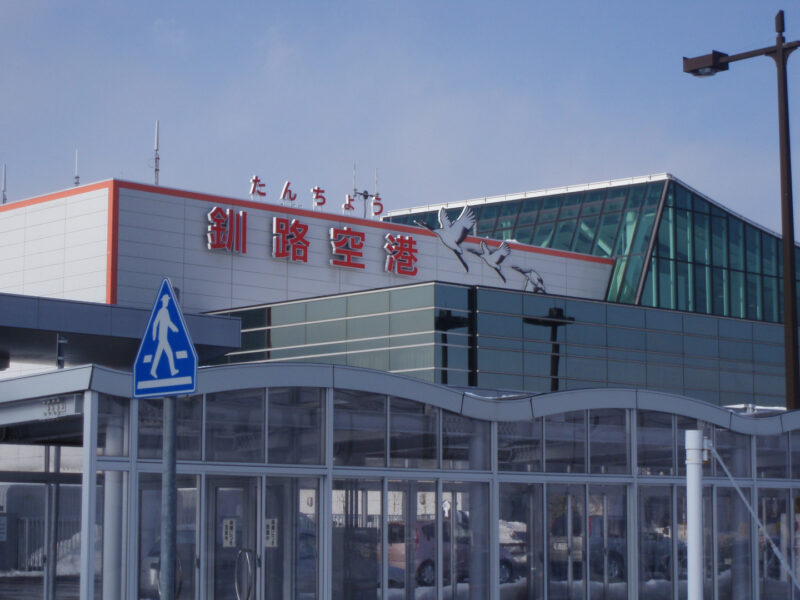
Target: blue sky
[{"x": 449, "y": 100}]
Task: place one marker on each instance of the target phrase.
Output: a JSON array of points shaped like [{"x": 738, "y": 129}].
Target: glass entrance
[{"x": 231, "y": 553}]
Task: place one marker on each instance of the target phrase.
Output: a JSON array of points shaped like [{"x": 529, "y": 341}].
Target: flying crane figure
[
  {"x": 452, "y": 233},
  {"x": 493, "y": 258},
  {"x": 532, "y": 277}
]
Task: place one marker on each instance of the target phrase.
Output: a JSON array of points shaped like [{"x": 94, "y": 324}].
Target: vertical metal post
[
  {"x": 168, "y": 502},
  {"x": 694, "y": 514},
  {"x": 88, "y": 495},
  {"x": 52, "y": 527},
  {"x": 780, "y": 56}
]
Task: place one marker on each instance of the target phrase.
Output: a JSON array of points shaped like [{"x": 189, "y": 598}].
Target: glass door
[
  {"x": 231, "y": 548},
  {"x": 607, "y": 541},
  {"x": 566, "y": 541},
  {"x": 291, "y": 534}
]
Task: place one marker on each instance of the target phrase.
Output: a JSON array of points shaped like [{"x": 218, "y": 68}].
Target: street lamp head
[{"x": 706, "y": 65}]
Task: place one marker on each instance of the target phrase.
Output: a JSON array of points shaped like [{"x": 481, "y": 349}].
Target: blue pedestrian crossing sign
[{"x": 166, "y": 363}]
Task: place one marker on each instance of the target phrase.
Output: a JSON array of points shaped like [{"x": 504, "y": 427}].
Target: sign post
[{"x": 166, "y": 366}]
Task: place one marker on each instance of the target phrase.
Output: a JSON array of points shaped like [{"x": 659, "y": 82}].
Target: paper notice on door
[
  {"x": 229, "y": 533},
  {"x": 271, "y": 533}
]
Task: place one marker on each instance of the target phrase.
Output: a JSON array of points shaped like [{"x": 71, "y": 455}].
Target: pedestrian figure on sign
[{"x": 161, "y": 328}]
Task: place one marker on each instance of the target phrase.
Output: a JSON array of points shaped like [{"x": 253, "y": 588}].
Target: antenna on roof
[
  {"x": 3, "y": 187},
  {"x": 76, "y": 179},
  {"x": 156, "y": 153},
  {"x": 365, "y": 195}
]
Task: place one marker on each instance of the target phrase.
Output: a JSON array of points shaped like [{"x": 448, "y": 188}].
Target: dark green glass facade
[
  {"x": 492, "y": 338},
  {"x": 674, "y": 249}
]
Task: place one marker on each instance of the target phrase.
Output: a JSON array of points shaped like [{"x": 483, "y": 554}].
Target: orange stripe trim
[
  {"x": 113, "y": 243},
  {"x": 56, "y": 195}
]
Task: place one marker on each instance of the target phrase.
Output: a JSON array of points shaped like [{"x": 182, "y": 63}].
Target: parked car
[{"x": 425, "y": 551}]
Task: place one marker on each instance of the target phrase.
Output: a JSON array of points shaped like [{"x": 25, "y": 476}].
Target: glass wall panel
[
  {"x": 356, "y": 538},
  {"x": 615, "y": 199},
  {"x": 189, "y": 427},
  {"x": 465, "y": 442},
  {"x": 235, "y": 426},
  {"x": 606, "y": 234},
  {"x": 519, "y": 445},
  {"x": 734, "y": 449},
  {"x": 608, "y": 541},
  {"x": 627, "y": 230},
  {"x": 359, "y": 429},
  {"x": 655, "y": 437},
  {"x": 753, "y": 249},
  {"x": 655, "y": 541},
  {"x": 734, "y": 571},
  {"x": 566, "y": 541},
  {"x": 570, "y": 206},
  {"x": 529, "y": 211},
  {"x": 413, "y": 434},
  {"x": 22, "y": 457},
  {"x": 720, "y": 300},
  {"x": 549, "y": 209},
  {"x": 465, "y": 539},
  {"x": 683, "y": 235},
  {"x": 738, "y": 297},
  {"x": 772, "y": 456},
  {"x": 774, "y": 512},
  {"x": 608, "y": 441},
  {"x": 150, "y": 536},
  {"x": 296, "y": 418},
  {"x": 719, "y": 241},
  {"x": 702, "y": 289},
  {"x": 411, "y": 536},
  {"x": 769, "y": 254},
  {"x": 291, "y": 550},
  {"x": 565, "y": 442},
  {"x": 584, "y": 237},
  {"x": 486, "y": 217},
  {"x": 701, "y": 241},
  {"x": 771, "y": 295},
  {"x": 113, "y": 429},
  {"x": 563, "y": 236},
  {"x": 111, "y": 536},
  {"x": 754, "y": 304},
  {"x": 508, "y": 214},
  {"x": 736, "y": 243},
  {"x": 521, "y": 538}
]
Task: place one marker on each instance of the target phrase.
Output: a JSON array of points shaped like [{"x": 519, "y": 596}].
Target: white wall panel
[{"x": 46, "y": 243}]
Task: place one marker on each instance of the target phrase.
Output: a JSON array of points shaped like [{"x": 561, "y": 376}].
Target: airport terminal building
[{"x": 483, "y": 399}]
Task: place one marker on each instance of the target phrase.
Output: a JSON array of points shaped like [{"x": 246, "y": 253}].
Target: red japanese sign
[
  {"x": 255, "y": 186},
  {"x": 289, "y": 239},
  {"x": 287, "y": 194},
  {"x": 227, "y": 230},
  {"x": 377, "y": 206},
  {"x": 318, "y": 196},
  {"x": 347, "y": 246},
  {"x": 401, "y": 254}
]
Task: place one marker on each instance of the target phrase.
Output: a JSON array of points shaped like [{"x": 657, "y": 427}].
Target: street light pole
[{"x": 711, "y": 64}]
